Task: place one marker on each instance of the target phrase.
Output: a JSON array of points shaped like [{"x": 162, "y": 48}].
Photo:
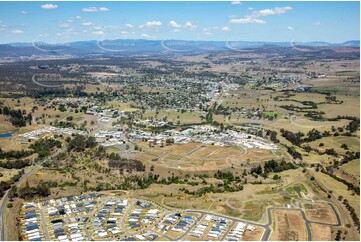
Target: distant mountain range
[{"x": 141, "y": 46}]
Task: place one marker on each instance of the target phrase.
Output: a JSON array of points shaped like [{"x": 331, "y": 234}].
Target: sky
[{"x": 62, "y": 22}]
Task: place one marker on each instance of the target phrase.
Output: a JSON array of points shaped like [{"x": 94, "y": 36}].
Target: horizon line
[{"x": 97, "y": 40}]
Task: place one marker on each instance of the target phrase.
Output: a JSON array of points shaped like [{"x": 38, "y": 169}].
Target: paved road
[
  {"x": 227, "y": 231},
  {"x": 267, "y": 234},
  {"x": 28, "y": 173},
  {"x": 304, "y": 217},
  {"x": 338, "y": 218},
  {"x": 266, "y": 227},
  {"x": 46, "y": 232},
  {"x": 5, "y": 200},
  {"x": 191, "y": 226}
]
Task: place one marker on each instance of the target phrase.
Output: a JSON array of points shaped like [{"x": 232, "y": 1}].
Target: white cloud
[
  {"x": 87, "y": 23},
  {"x": 236, "y": 3},
  {"x": 226, "y": 28},
  {"x": 128, "y": 26},
  {"x": 151, "y": 24},
  {"x": 254, "y": 17},
  {"x": 318, "y": 23},
  {"x": 176, "y": 30},
  {"x": 98, "y": 32},
  {"x": 124, "y": 32},
  {"x": 146, "y": 36},
  {"x": 49, "y": 6},
  {"x": 272, "y": 11},
  {"x": 2, "y": 26},
  {"x": 64, "y": 25},
  {"x": 17, "y": 31},
  {"x": 95, "y": 9},
  {"x": 188, "y": 25},
  {"x": 173, "y": 24},
  {"x": 290, "y": 28},
  {"x": 23, "y": 12},
  {"x": 247, "y": 20}
]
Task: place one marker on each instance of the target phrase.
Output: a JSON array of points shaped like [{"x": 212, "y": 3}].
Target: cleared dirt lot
[
  {"x": 321, "y": 232},
  {"x": 320, "y": 213},
  {"x": 254, "y": 235},
  {"x": 288, "y": 225},
  {"x": 200, "y": 157}
]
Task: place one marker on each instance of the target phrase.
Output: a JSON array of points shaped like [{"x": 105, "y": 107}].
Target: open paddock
[
  {"x": 6, "y": 126},
  {"x": 7, "y": 144},
  {"x": 339, "y": 189},
  {"x": 174, "y": 116},
  {"x": 353, "y": 143},
  {"x": 352, "y": 168},
  {"x": 301, "y": 124}
]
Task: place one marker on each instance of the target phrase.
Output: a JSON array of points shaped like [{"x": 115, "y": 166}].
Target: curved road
[{"x": 307, "y": 221}]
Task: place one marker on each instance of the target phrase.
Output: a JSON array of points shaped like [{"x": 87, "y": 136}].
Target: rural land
[{"x": 143, "y": 140}]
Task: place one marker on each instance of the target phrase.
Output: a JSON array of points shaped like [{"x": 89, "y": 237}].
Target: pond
[
  {"x": 6, "y": 135},
  {"x": 251, "y": 124}
]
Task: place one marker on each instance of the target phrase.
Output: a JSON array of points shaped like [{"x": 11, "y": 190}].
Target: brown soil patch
[
  {"x": 254, "y": 235},
  {"x": 320, "y": 213},
  {"x": 289, "y": 225},
  {"x": 321, "y": 232}
]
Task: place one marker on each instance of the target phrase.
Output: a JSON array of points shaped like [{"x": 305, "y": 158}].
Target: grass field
[
  {"x": 174, "y": 116},
  {"x": 6, "y": 126},
  {"x": 8, "y": 144},
  {"x": 338, "y": 189},
  {"x": 353, "y": 143},
  {"x": 7, "y": 174},
  {"x": 120, "y": 106},
  {"x": 12, "y": 228},
  {"x": 352, "y": 168}
]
